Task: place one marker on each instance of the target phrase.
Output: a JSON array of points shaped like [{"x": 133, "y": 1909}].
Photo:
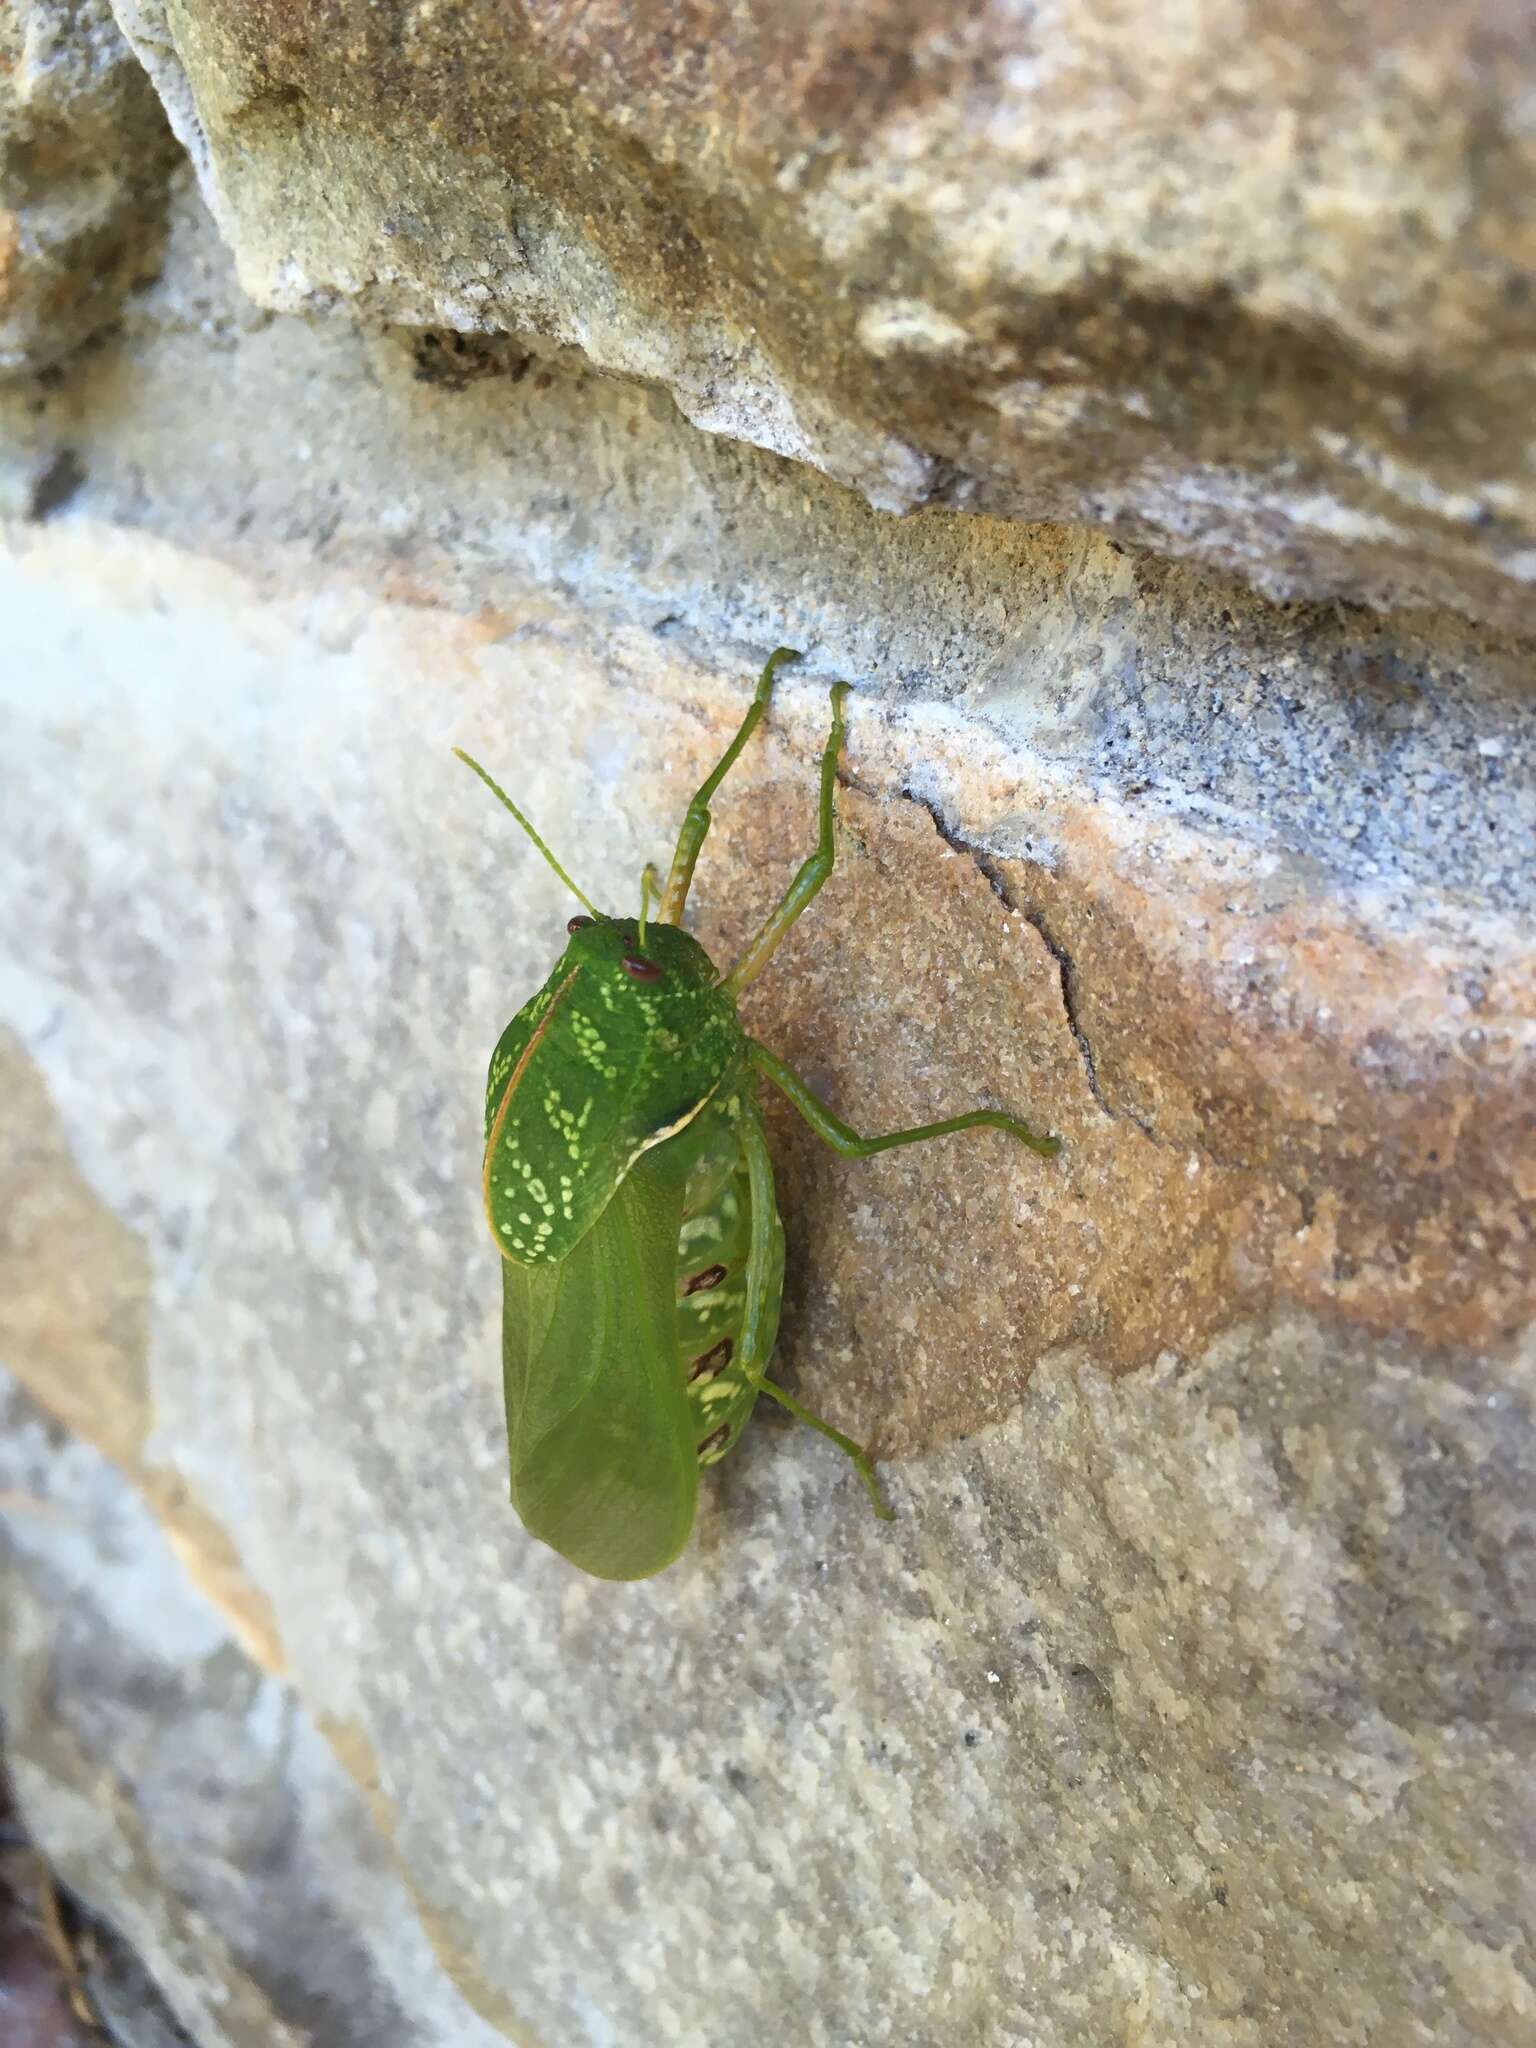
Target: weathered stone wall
[
  {"x": 1247, "y": 283},
  {"x": 516, "y": 382}
]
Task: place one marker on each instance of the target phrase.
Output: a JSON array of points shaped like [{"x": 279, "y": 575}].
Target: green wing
[{"x": 600, "y": 1429}]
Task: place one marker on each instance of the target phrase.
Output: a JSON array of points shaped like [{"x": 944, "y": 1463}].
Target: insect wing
[
  {"x": 600, "y": 1429},
  {"x": 511, "y": 1045}
]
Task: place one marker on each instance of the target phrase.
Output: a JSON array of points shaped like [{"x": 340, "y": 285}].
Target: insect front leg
[
  {"x": 846, "y": 1141},
  {"x": 759, "y": 1314},
  {"x": 696, "y": 818},
  {"x": 813, "y": 872}
]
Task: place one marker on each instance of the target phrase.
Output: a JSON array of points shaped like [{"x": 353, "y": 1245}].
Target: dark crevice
[
  {"x": 1067, "y": 973},
  {"x": 66, "y": 1976},
  {"x": 55, "y": 485}
]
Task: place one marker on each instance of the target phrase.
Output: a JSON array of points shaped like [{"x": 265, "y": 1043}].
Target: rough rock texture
[
  {"x": 1196, "y": 1702},
  {"x": 1190, "y": 1697},
  {"x": 65, "y": 1976},
  {"x": 84, "y": 158},
  {"x": 177, "y": 1779},
  {"x": 1254, "y": 285}
]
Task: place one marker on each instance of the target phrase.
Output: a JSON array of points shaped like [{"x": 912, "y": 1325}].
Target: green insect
[{"x": 630, "y": 1194}]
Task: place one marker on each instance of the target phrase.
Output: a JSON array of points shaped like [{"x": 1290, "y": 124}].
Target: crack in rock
[{"x": 1066, "y": 967}]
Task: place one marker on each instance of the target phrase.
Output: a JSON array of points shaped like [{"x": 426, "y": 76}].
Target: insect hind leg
[
  {"x": 760, "y": 1314},
  {"x": 862, "y": 1463}
]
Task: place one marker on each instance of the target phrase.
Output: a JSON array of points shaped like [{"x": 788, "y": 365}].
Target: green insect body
[{"x": 629, "y": 1190}]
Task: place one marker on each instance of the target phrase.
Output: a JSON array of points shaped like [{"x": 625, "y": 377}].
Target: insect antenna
[{"x": 497, "y": 791}]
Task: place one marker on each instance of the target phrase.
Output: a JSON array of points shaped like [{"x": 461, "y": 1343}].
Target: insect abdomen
[{"x": 711, "y": 1283}]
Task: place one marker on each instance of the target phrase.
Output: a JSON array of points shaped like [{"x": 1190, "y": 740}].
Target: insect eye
[
  {"x": 574, "y": 924},
  {"x": 642, "y": 970}
]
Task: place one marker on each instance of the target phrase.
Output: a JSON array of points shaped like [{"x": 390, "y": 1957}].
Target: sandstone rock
[{"x": 1253, "y": 288}]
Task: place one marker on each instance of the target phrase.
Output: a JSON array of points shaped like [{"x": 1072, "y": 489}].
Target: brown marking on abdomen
[{"x": 706, "y": 1366}]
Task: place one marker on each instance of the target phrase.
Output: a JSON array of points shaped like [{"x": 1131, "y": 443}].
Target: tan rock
[{"x": 1186, "y": 1698}]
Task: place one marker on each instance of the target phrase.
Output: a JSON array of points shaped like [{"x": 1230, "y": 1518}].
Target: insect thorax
[{"x": 600, "y": 1066}]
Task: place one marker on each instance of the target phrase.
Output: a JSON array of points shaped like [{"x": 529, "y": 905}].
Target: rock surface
[
  {"x": 1255, "y": 287},
  {"x": 1189, "y": 1699},
  {"x": 85, "y": 154}
]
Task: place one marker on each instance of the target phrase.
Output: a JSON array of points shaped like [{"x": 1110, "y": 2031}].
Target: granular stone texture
[
  {"x": 1188, "y": 1701},
  {"x": 1189, "y": 1692}
]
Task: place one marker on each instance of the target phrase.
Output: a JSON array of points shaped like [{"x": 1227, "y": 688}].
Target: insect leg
[
  {"x": 846, "y": 1141},
  {"x": 696, "y": 819},
  {"x": 813, "y": 872},
  {"x": 758, "y": 1321},
  {"x": 650, "y": 892},
  {"x": 753, "y": 1352},
  {"x": 846, "y": 1444}
]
